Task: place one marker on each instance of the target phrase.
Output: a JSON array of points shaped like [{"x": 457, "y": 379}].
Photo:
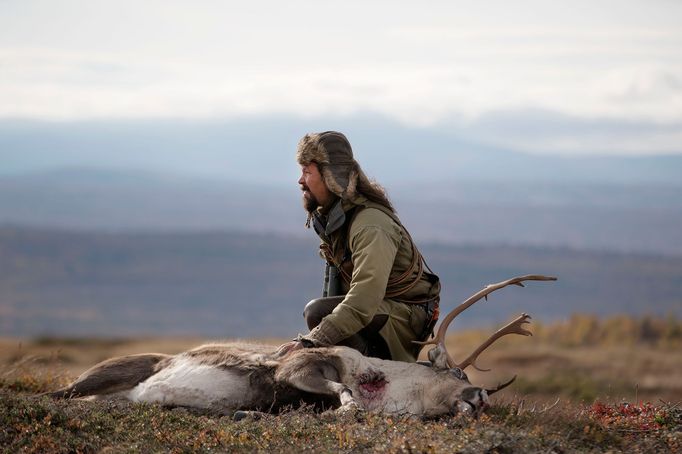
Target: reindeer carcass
[{"x": 226, "y": 378}]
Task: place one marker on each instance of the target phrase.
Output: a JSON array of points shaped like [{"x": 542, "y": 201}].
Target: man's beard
[{"x": 310, "y": 203}]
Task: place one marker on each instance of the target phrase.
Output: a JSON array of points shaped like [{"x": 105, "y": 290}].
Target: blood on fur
[{"x": 371, "y": 384}]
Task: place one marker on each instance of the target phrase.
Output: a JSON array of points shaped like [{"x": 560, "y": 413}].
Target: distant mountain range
[
  {"x": 112, "y": 228},
  {"x": 255, "y": 285},
  {"x": 260, "y": 150},
  {"x": 603, "y": 216}
]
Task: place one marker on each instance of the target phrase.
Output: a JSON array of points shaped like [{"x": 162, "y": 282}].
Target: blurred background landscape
[
  {"x": 149, "y": 203},
  {"x": 148, "y": 181},
  {"x": 92, "y": 245}
]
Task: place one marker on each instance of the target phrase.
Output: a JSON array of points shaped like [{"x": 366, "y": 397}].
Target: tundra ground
[{"x": 571, "y": 395}]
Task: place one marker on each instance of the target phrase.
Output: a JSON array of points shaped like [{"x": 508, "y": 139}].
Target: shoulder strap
[{"x": 397, "y": 285}]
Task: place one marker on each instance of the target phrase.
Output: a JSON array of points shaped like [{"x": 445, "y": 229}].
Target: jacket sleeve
[{"x": 373, "y": 247}]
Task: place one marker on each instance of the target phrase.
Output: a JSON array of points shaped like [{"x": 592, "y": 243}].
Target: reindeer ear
[
  {"x": 438, "y": 358},
  {"x": 459, "y": 373}
]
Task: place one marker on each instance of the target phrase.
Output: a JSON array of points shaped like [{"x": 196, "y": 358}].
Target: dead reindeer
[{"x": 242, "y": 378}]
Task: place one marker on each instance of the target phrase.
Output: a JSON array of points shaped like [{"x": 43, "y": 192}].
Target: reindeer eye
[{"x": 459, "y": 373}]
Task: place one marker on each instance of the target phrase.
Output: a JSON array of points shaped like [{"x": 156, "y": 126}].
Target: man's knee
[{"x": 319, "y": 308}]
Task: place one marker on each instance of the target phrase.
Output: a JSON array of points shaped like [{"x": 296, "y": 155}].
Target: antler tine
[
  {"x": 513, "y": 327},
  {"x": 501, "y": 386},
  {"x": 439, "y": 339}
]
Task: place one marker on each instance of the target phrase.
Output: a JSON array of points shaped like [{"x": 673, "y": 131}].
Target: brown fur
[
  {"x": 114, "y": 375},
  {"x": 258, "y": 364},
  {"x": 277, "y": 382},
  {"x": 237, "y": 356},
  {"x": 312, "y": 365},
  {"x": 323, "y": 377}
]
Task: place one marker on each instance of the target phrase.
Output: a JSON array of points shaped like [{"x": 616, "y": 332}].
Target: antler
[
  {"x": 439, "y": 356},
  {"x": 501, "y": 386},
  {"x": 513, "y": 327}
]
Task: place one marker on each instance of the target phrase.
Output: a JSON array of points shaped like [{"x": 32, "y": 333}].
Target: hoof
[
  {"x": 349, "y": 408},
  {"x": 239, "y": 415}
]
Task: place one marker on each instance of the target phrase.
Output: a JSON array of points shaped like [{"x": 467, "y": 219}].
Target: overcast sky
[{"x": 560, "y": 77}]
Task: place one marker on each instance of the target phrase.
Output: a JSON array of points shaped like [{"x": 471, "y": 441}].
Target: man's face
[{"x": 315, "y": 192}]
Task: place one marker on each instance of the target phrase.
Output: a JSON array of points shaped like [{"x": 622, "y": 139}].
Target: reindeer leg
[
  {"x": 317, "y": 374},
  {"x": 112, "y": 375},
  {"x": 317, "y": 380}
]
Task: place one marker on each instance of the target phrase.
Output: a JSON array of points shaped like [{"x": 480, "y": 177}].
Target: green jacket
[{"x": 380, "y": 251}]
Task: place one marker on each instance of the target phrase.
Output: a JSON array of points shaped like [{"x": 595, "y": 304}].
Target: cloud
[
  {"x": 542, "y": 131},
  {"x": 419, "y": 65}
]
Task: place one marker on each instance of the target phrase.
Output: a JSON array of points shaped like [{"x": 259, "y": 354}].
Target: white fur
[
  {"x": 185, "y": 382},
  {"x": 405, "y": 392}
]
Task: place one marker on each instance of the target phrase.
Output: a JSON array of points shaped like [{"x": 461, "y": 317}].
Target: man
[{"x": 378, "y": 296}]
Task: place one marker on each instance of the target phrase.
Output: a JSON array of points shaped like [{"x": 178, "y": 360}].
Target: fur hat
[{"x": 333, "y": 154}]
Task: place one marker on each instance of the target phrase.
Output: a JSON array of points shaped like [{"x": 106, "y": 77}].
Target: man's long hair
[{"x": 374, "y": 192}]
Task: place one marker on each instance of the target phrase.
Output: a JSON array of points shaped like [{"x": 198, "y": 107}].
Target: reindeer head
[
  {"x": 468, "y": 399},
  {"x": 453, "y": 394}
]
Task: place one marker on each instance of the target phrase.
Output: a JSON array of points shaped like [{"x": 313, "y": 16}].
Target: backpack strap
[{"x": 397, "y": 285}]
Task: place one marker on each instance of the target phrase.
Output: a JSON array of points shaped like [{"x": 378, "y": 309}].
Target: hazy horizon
[
  {"x": 581, "y": 79},
  {"x": 147, "y": 154}
]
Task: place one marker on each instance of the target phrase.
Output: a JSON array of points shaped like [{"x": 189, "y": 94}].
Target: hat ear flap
[
  {"x": 352, "y": 184},
  {"x": 331, "y": 182}
]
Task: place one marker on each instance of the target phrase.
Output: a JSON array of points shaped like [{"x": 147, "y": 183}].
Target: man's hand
[{"x": 289, "y": 347}]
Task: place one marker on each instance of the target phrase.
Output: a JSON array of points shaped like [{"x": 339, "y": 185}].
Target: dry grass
[
  {"x": 33, "y": 425},
  {"x": 592, "y": 383},
  {"x": 584, "y": 373}
]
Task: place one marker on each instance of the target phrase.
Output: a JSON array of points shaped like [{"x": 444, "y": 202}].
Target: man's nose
[{"x": 300, "y": 180}]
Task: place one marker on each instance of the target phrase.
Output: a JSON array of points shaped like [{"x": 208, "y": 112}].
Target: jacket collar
[{"x": 329, "y": 222}]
